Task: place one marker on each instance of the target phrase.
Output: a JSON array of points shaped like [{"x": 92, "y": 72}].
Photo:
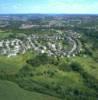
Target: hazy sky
[{"x": 49, "y": 6}]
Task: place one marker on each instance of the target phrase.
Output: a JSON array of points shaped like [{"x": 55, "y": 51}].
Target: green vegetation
[
  {"x": 31, "y": 76},
  {"x": 20, "y": 33},
  {"x": 11, "y": 91},
  {"x": 64, "y": 80}
]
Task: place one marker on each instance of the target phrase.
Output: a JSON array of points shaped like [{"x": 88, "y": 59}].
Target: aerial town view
[{"x": 48, "y": 50}]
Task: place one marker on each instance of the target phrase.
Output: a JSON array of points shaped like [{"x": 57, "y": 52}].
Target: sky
[{"x": 49, "y": 6}]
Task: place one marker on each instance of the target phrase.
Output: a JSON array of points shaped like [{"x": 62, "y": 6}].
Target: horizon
[
  {"x": 47, "y": 14},
  {"x": 49, "y": 7}
]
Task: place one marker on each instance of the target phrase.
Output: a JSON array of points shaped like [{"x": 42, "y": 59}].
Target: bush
[{"x": 75, "y": 66}]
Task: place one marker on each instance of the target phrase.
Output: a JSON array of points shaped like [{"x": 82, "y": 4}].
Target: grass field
[
  {"x": 11, "y": 91},
  {"x": 13, "y": 64},
  {"x": 89, "y": 65},
  {"x": 59, "y": 80}
]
